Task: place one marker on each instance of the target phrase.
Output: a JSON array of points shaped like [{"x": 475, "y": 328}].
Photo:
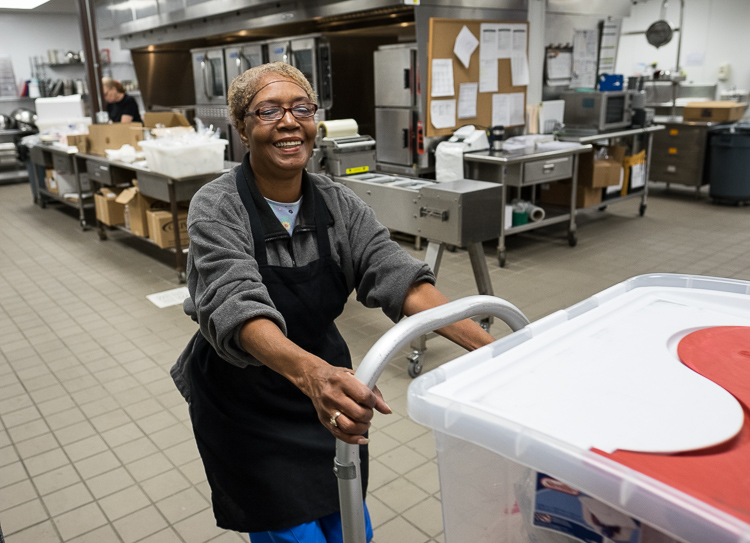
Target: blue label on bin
[{"x": 564, "y": 509}]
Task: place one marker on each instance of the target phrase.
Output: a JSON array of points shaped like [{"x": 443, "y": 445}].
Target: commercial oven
[
  {"x": 238, "y": 59},
  {"x": 312, "y": 56},
  {"x": 209, "y": 76},
  {"x": 398, "y": 128}
]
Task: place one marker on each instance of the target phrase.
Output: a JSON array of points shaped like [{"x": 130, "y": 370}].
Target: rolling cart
[
  {"x": 346, "y": 463},
  {"x": 634, "y": 401}
]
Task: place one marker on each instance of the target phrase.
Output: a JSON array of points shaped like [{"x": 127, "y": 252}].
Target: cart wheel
[
  {"x": 603, "y": 208},
  {"x": 415, "y": 363},
  {"x": 42, "y": 203},
  {"x": 83, "y": 225},
  {"x": 642, "y": 210},
  {"x": 451, "y": 248},
  {"x": 182, "y": 277},
  {"x": 102, "y": 234},
  {"x": 572, "y": 239},
  {"x": 501, "y": 258}
]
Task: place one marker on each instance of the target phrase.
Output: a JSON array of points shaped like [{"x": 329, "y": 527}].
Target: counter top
[
  {"x": 512, "y": 157},
  {"x": 584, "y": 137}
]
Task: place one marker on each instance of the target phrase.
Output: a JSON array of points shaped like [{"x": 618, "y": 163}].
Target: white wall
[
  {"x": 25, "y": 35},
  {"x": 715, "y": 32}
]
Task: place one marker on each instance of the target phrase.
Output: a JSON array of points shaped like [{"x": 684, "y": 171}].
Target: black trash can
[{"x": 729, "y": 163}]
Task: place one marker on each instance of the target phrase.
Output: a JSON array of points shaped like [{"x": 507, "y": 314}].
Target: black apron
[{"x": 268, "y": 459}]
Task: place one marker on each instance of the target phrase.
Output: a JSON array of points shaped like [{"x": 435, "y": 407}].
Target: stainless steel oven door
[
  {"x": 209, "y": 76},
  {"x": 241, "y": 58},
  {"x": 393, "y": 133},
  {"x": 278, "y": 51},
  {"x": 395, "y": 77}
]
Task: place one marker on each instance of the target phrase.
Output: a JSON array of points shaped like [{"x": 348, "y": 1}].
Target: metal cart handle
[{"x": 346, "y": 463}]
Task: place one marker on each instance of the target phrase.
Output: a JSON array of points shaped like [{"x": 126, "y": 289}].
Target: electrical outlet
[{"x": 725, "y": 71}]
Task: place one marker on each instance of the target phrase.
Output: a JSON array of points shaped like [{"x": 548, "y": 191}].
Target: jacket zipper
[{"x": 290, "y": 246}]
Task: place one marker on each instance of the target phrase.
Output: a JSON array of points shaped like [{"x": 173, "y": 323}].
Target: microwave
[{"x": 600, "y": 110}]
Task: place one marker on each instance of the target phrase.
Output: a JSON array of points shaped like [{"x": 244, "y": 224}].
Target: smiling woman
[{"x": 274, "y": 254}]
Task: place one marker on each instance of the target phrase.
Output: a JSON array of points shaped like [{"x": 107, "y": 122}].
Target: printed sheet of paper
[
  {"x": 508, "y": 109},
  {"x": 443, "y": 113},
  {"x": 500, "y": 110},
  {"x": 465, "y": 45},
  {"x": 442, "y": 77},
  {"x": 585, "y": 53},
  {"x": 488, "y": 75},
  {"x": 608, "y": 47},
  {"x": 467, "y": 100},
  {"x": 488, "y": 45},
  {"x": 517, "y": 112},
  {"x": 559, "y": 68},
  {"x": 504, "y": 41},
  {"x": 519, "y": 69}
]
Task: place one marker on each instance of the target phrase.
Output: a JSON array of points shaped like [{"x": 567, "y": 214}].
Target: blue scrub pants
[{"x": 324, "y": 530}]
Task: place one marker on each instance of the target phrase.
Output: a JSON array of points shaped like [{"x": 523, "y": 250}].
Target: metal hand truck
[{"x": 346, "y": 464}]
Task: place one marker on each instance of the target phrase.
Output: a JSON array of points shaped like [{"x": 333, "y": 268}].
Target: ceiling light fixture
[{"x": 21, "y": 4}]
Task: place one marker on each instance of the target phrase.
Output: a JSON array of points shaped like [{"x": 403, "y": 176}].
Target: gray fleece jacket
[{"x": 223, "y": 276}]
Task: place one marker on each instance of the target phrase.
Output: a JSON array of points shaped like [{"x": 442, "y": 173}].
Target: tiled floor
[{"x": 95, "y": 444}]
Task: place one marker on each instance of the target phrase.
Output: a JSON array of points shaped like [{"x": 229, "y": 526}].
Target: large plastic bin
[
  {"x": 180, "y": 159},
  {"x": 489, "y": 451}
]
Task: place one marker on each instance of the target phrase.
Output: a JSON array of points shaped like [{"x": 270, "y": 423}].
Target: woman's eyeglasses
[{"x": 275, "y": 113}]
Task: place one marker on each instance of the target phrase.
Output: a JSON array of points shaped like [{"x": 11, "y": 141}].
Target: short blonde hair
[
  {"x": 245, "y": 86},
  {"x": 110, "y": 83}
]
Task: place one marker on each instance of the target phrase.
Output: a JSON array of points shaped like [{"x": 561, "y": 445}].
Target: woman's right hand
[
  {"x": 344, "y": 404},
  {"x": 332, "y": 389}
]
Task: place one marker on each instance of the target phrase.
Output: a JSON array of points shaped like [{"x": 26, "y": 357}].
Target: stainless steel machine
[
  {"x": 461, "y": 213},
  {"x": 398, "y": 127},
  {"x": 344, "y": 154}
]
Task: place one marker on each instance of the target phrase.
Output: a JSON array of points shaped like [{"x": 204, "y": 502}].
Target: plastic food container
[
  {"x": 492, "y": 441},
  {"x": 184, "y": 159}
]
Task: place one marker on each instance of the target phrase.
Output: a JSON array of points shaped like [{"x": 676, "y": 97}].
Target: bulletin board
[{"x": 442, "y": 40}]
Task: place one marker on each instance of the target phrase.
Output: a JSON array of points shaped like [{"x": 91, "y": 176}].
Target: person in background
[{"x": 122, "y": 108}]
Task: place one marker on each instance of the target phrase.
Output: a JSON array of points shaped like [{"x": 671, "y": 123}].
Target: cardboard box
[
  {"x": 135, "y": 207},
  {"x": 113, "y": 136},
  {"x": 558, "y": 194},
  {"x": 108, "y": 210},
  {"x": 714, "y": 111},
  {"x": 164, "y": 118},
  {"x": 79, "y": 141},
  {"x": 66, "y": 183},
  {"x": 161, "y": 229},
  {"x": 634, "y": 178},
  {"x": 50, "y": 182},
  {"x": 604, "y": 172}
]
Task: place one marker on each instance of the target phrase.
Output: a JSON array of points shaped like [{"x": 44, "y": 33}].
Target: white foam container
[
  {"x": 60, "y": 107},
  {"x": 184, "y": 159},
  {"x": 482, "y": 455}
]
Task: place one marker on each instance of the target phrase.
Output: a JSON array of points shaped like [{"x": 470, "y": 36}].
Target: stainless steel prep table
[
  {"x": 112, "y": 173},
  {"x": 524, "y": 169},
  {"x": 164, "y": 188},
  {"x": 633, "y": 133},
  {"x": 63, "y": 160}
]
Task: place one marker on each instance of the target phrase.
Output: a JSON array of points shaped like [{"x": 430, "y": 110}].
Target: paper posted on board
[
  {"x": 443, "y": 113},
  {"x": 442, "y": 77},
  {"x": 488, "y": 75},
  {"x": 465, "y": 45},
  {"x": 508, "y": 109},
  {"x": 467, "y": 100}
]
